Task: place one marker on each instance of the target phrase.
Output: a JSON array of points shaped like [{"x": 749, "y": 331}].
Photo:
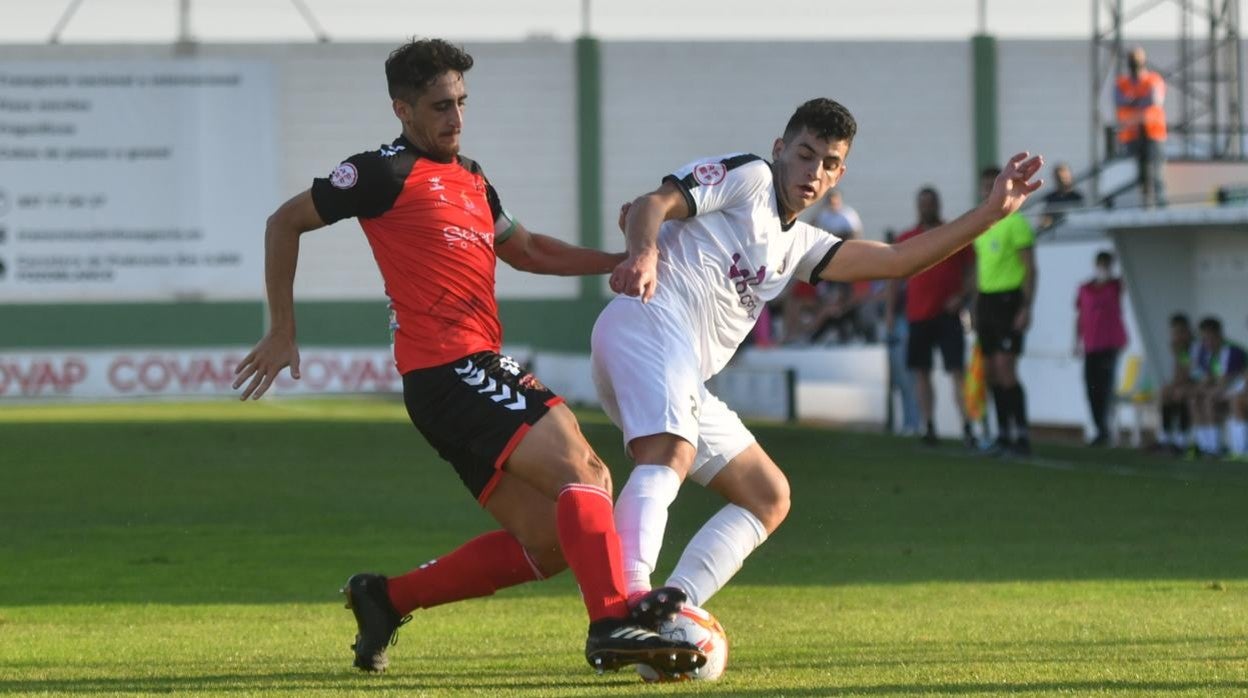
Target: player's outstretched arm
[
  {"x": 859, "y": 260},
  {"x": 277, "y": 349},
  {"x": 638, "y": 274},
  {"x": 541, "y": 254}
]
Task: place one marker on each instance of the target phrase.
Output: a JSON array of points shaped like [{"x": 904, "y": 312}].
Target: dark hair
[
  {"x": 825, "y": 118},
  {"x": 1211, "y": 324},
  {"x": 1104, "y": 258},
  {"x": 1182, "y": 320},
  {"x": 929, "y": 189},
  {"x": 991, "y": 171},
  {"x": 413, "y": 66}
]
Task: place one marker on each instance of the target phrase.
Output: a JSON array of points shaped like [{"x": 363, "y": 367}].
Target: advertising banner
[{"x": 135, "y": 180}]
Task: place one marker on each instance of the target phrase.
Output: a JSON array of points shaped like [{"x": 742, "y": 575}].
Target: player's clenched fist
[{"x": 637, "y": 276}]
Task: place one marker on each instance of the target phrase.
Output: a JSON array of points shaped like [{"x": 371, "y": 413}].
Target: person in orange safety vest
[{"x": 1140, "y": 97}]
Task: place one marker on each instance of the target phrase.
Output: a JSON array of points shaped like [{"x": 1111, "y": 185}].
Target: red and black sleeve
[{"x": 365, "y": 185}]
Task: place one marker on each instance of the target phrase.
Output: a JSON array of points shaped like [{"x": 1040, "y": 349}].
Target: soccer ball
[{"x": 698, "y": 626}]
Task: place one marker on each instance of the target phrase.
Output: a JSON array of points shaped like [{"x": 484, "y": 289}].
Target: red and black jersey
[{"x": 431, "y": 227}]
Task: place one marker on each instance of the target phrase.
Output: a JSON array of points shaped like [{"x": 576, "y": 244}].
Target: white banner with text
[{"x": 144, "y": 180}]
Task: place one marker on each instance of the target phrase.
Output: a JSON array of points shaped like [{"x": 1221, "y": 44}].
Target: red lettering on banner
[
  {"x": 41, "y": 377},
  {"x": 332, "y": 373},
  {"x": 382, "y": 377},
  {"x": 114, "y": 374},
  {"x": 157, "y": 374}
]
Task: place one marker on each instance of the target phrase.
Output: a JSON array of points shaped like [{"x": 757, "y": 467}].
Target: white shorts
[{"x": 648, "y": 379}]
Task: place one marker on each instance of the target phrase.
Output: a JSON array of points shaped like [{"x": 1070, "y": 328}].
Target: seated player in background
[
  {"x": 1221, "y": 367},
  {"x": 717, "y": 240},
  {"x": 436, "y": 226},
  {"x": 1176, "y": 416}
]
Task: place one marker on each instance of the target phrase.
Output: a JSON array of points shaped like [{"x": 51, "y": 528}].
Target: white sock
[
  {"x": 1239, "y": 436},
  {"x": 716, "y": 552},
  {"x": 641, "y": 519}
]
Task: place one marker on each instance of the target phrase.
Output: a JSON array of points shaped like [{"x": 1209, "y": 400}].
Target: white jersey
[{"x": 720, "y": 266}]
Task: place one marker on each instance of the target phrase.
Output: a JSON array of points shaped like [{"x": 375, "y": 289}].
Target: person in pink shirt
[{"x": 1099, "y": 336}]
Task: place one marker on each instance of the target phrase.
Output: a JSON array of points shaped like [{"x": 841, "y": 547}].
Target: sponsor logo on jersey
[
  {"x": 456, "y": 236},
  {"x": 435, "y": 184},
  {"x": 743, "y": 282},
  {"x": 509, "y": 365},
  {"x": 710, "y": 173},
  {"x": 344, "y": 176},
  {"x": 530, "y": 382}
]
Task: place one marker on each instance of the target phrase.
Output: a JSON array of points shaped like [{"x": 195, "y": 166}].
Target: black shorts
[
  {"x": 475, "y": 411},
  {"x": 944, "y": 331},
  {"x": 994, "y": 322}
]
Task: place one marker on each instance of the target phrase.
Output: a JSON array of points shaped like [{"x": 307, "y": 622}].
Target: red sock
[
  {"x": 479, "y": 567},
  {"x": 592, "y": 549}
]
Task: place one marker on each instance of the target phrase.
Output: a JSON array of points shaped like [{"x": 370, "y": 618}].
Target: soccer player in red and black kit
[{"x": 436, "y": 225}]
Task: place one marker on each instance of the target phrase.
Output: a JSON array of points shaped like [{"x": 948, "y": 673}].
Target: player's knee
[
  {"x": 589, "y": 469},
  {"x": 771, "y": 506}
]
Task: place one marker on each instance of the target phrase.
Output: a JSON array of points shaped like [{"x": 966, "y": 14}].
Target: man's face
[
  {"x": 1210, "y": 340},
  {"x": 1136, "y": 60},
  {"x": 1180, "y": 335},
  {"x": 1063, "y": 176},
  {"x": 807, "y": 167},
  {"x": 929, "y": 208},
  {"x": 435, "y": 121}
]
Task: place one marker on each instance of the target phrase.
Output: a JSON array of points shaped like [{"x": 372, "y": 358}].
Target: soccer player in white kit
[{"x": 707, "y": 250}]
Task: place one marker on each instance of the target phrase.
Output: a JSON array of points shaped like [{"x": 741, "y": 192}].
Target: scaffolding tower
[{"x": 1205, "y": 82}]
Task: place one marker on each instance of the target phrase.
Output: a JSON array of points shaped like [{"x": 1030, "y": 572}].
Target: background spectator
[
  {"x": 1141, "y": 96},
  {"x": 1099, "y": 336},
  {"x": 836, "y": 217},
  {"x": 933, "y": 307},
  {"x": 897, "y": 334},
  {"x": 1176, "y": 417},
  {"x": 1061, "y": 200}
]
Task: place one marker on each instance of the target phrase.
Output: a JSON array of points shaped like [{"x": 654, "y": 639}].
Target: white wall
[
  {"x": 332, "y": 103},
  {"x": 668, "y": 103}
]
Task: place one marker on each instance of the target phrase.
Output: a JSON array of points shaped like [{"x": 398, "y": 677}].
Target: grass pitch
[{"x": 197, "y": 549}]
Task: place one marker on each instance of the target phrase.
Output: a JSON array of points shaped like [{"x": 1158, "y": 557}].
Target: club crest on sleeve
[
  {"x": 344, "y": 176},
  {"x": 710, "y": 173}
]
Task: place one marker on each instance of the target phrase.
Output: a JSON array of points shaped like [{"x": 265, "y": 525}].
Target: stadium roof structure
[{"x": 1096, "y": 222}]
